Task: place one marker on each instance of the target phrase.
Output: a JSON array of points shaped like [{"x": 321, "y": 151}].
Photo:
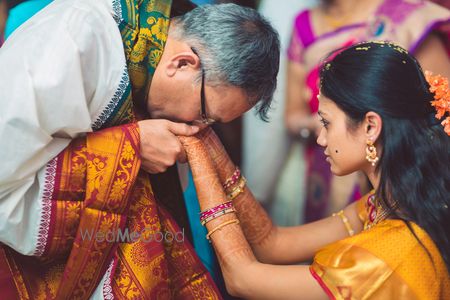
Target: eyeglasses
[{"x": 204, "y": 117}]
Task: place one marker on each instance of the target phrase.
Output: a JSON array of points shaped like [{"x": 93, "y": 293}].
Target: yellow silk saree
[{"x": 383, "y": 262}]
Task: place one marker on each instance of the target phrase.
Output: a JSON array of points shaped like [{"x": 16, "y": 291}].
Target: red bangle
[
  {"x": 217, "y": 214},
  {"x": 209, "y": 212},
  {"x": 233, "y": 179}
]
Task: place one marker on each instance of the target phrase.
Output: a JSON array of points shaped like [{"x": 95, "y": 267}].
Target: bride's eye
[{"x": 324, "y": 122}]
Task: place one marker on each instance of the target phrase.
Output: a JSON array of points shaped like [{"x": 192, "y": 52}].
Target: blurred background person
[
  {"x": 271, "y": 160},
  {"x": 445, "y": 3},
  {"x": 415, "y": 25}
]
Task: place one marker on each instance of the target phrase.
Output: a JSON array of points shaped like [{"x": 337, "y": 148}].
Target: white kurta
[{"x": 58, "y": 72}]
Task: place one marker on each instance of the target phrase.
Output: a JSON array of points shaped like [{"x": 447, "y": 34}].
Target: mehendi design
[
  {"x": 230, "y": 239},
  {"x": 255, "y": 222}
]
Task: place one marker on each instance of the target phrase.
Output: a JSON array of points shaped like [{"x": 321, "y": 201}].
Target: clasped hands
[{"x": 163, "y": 143}]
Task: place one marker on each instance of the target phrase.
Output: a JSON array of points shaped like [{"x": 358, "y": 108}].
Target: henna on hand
[
  {"x": 255, "y": 222},
  {"x": 230, "y": 244}
]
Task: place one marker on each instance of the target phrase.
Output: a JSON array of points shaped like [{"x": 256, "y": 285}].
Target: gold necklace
[
  {"x": 342, "y": 19},
  {"x": 376, "y": 213},
  {"x": 334, "y": 22}
]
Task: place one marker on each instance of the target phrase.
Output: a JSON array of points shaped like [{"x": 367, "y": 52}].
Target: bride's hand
[
  {"x": 219, "y": 156},
  {"x": 206, "y": 180}
]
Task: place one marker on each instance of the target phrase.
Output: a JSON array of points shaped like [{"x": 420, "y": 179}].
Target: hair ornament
[
  {"x": 439, "y": 87},
  {"x": 362, "y": 48}
]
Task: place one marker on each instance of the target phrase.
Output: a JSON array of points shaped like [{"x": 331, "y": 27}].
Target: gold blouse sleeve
[
  {"x": 347, "y": 272},
  {"x": 384, "y": 262}
]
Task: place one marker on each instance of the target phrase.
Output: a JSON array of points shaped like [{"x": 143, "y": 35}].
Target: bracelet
[
  {"x": 233, "y": 179},
  {"x": 208, "y": 212},
  {"x": 234, "y": 221},
  {"x": 237, "y": 190},
  {"x": 349, "y": 228},
  {"x": 216, "y": 215}
]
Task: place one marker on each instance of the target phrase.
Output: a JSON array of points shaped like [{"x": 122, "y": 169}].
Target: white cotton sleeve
[{"x": 57, "y": 72}]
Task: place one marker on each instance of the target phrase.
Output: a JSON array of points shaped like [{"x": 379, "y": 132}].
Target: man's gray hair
[{"x": 236, "y": 46}]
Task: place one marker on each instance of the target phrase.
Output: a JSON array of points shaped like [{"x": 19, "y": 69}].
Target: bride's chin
[
  {"x": 335, "y": 169},
  {"x": 339, "y": 172}
]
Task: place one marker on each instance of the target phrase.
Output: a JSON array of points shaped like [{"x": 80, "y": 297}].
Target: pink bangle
[
  {"x": 233, "y": 179},
  {"x": 211, "y": 211}
]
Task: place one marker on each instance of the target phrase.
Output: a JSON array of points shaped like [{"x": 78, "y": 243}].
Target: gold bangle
[
  {"x": 238, "y": 190},
  {"x": 344, "y": 219},
  {"x": 234, "y": 221}
]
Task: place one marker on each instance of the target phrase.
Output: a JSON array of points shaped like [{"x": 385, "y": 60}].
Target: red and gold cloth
[{"x": 99, "y": 191}]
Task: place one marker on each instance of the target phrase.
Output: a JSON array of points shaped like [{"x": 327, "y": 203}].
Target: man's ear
[
  {"x": 373, "y": 125},
  {"x": 182, "y": 61}
]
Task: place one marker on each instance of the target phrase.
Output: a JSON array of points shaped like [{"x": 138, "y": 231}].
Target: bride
[{"x": 380, "y": 116}]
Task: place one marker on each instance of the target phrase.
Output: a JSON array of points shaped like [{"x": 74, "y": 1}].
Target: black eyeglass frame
[{"x": 204, "y": 117}]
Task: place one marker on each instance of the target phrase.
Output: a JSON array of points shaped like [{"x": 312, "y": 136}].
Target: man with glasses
[
  {"x": 204, "y": 117},
  {"x": 93, "y": 96}
]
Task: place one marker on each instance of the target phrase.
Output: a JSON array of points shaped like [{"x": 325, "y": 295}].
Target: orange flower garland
[{"x": 439, "y": 87}]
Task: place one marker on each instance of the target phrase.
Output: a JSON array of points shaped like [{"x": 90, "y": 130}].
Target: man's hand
[{"x": 160, "y": 147}]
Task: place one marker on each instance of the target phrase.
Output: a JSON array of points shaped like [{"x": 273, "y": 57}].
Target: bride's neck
[
  {"x": 374, "y": 177},
  {"x": 343, "y": 6}
]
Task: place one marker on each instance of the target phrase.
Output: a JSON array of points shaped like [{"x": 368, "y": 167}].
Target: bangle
[
  {"x": 206, "y": 213},
  {"x": 237, "y": 190},
  {"x": 349, "y": 228},
  {"x": 216, "y": 215},
  {"x": 234, "y": 221},
  {"x": 233, "y": 179}
]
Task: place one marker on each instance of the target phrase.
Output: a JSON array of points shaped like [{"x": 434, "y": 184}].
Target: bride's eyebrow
[{"x": 321, "y": 113}]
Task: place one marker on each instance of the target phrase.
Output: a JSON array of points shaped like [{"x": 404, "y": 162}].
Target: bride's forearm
[
  {"x": 255, "y": 222},
  {"x": 244, "y": 276},
  {"x": 258, "y": 228},
  {"x": 224, "y": 231}
]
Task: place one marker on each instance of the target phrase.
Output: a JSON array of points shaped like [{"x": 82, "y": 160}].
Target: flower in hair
[{"x": 441, "y": 102}]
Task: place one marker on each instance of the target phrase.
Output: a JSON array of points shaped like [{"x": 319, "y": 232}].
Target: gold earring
[{"x": 371, "y": 153}]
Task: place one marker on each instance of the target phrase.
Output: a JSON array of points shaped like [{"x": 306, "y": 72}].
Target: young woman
[
  {"x": 393, "y": 243},
  {"x": 415, "y": 25}
]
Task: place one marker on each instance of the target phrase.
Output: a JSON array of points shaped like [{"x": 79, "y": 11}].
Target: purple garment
[
  {"x": 303, "y": 25},
  {"x": 398, "y": 10}
]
